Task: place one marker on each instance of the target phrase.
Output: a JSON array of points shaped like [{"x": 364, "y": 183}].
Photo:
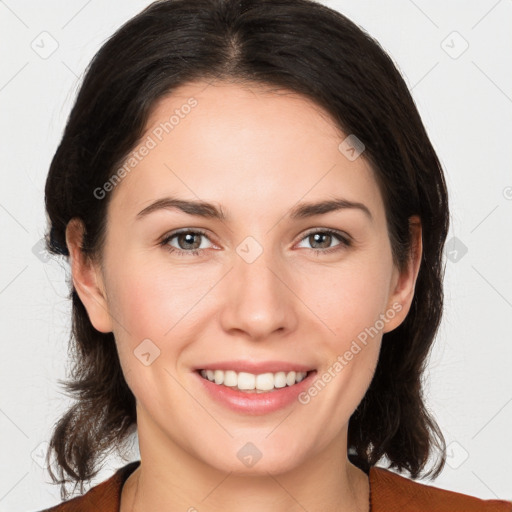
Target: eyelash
[{"x": 344, "y": 242}]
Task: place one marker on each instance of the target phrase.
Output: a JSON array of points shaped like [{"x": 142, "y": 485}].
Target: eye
[
  {"x": 188, "y": 241},
  {"x": 324, "y": 238}
]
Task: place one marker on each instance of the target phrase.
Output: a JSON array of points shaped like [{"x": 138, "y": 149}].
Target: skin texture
[{"x": 257, "y": 153}]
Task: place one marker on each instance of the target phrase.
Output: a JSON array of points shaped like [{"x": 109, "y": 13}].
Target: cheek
[
  {"x": 351, "y": 307},
  {"x": 350, "y": 298},
  {"x": 152, "y": 299},
  {"x": 151, "y": 307}
]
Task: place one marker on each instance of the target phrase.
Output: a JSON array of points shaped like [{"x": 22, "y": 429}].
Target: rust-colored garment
[{"x": 389, "y": 492}]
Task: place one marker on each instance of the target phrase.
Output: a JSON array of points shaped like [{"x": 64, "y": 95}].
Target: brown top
[{"x": 389, "y": 492}]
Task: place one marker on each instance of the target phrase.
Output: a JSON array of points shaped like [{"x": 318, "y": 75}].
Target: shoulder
[
  {"x": 390, "y": 491},
  {"x": 106, "y": 496}
]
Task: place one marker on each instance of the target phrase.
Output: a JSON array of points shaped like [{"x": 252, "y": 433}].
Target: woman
[{"x": 254, "y": 218}]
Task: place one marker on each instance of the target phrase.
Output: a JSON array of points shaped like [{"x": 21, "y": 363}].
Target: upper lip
[{"x": 256, "y": 367}]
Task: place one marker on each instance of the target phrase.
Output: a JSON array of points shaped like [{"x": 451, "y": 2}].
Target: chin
[{"x": 250, "y": 460}]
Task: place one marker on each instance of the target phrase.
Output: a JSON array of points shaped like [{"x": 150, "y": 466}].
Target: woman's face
[{"x": 253, "y": 292}]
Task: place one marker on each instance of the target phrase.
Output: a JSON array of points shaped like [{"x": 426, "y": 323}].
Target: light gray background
[{"x": 465, "y": 99}]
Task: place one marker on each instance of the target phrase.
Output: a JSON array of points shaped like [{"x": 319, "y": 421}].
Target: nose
[{"x": 259, "y": 301}]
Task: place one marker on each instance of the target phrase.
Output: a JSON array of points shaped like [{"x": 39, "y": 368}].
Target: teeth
[
  {"x": 244, "y": 381},
  {"x": 218, "y": 376}
]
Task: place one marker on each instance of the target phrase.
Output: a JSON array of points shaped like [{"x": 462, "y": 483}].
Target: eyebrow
[{"x": 209, "y": 210}]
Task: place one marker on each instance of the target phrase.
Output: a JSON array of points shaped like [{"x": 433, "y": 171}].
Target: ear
[
  {"x": 404, "y": 282},
  {"x": 87, "y": 278}
]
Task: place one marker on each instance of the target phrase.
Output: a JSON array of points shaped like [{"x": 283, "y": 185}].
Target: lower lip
[{"x": 256, "y": 403}]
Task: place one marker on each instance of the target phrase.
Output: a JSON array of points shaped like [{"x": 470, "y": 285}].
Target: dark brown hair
[{"x": 301, "y": 46}]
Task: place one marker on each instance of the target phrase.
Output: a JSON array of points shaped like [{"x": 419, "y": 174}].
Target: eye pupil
[
  {"x": 188, "y": 237},
  {"x": 317, "y": 236}
]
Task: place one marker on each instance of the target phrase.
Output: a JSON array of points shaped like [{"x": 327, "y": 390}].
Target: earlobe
[
  {"x": 87, "y": 278},
  {"x": 402, "y": 293}
]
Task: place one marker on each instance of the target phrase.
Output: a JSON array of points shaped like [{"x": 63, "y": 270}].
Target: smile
[
  {"x": 252, "y": 383},
  {"x": 242, "y": 391}
]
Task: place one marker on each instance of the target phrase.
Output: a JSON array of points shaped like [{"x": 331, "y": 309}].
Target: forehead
[{"x": 242, "y": 145}]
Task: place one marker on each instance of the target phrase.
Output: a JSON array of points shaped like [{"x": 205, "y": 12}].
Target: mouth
[
  {"x": 253, "y": 387},
  {"x": 245, "y": 382}
]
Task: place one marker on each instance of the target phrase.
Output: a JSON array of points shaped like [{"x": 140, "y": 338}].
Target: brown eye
[
  {"x": 321, "y": 241},
  {"x": 187, "y": 239},
  {"x": 188, "y": 242}
]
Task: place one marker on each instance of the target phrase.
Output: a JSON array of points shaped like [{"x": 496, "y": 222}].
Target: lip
[
  {"x": 255, "y": 404},
  {"x": 255, "y": 367}
]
